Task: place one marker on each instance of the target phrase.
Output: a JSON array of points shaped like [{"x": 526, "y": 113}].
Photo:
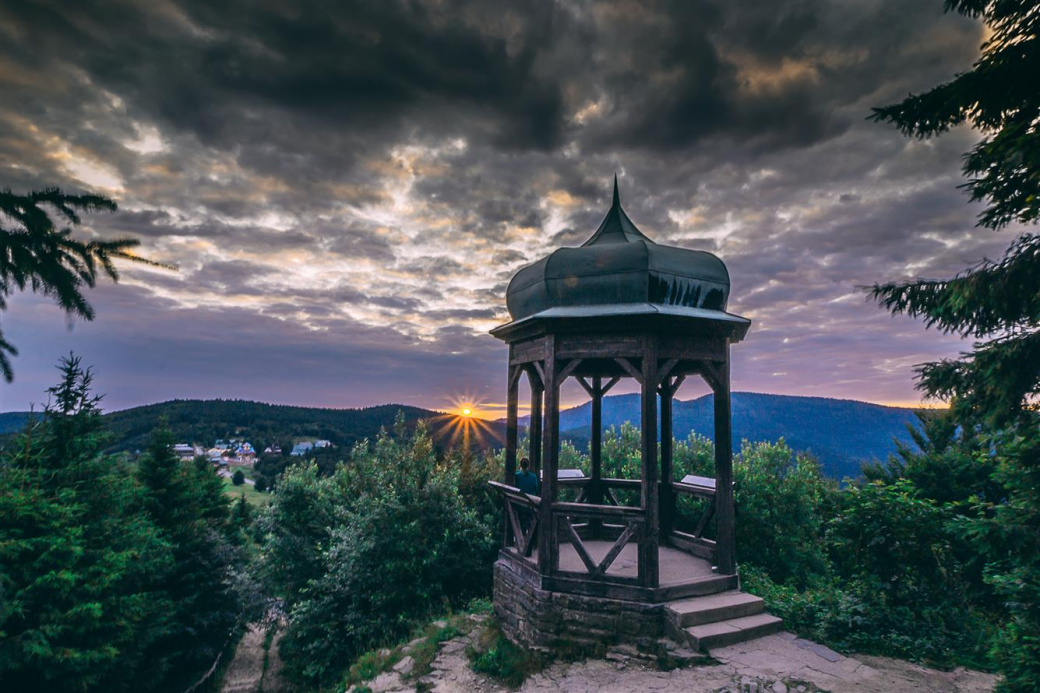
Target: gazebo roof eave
[{"x": 639, "y": 315}]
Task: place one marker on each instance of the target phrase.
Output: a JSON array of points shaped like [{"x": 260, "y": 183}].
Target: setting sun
[{"x": 467, "y": 411}]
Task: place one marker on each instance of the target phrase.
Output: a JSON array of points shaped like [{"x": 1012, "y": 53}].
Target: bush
[
  {"x": 238, "y": 478},
  {"x": 401, "y": 544}
]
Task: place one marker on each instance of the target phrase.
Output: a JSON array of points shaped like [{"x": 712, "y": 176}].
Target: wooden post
[
  {"x": 534, "y": 436},
  {"x": 667, "y": 497},
  {"x": 548, "y": 537},
  {"x": 512, "y": 404},
  {"x": 595, "y": 492},
  {"x": 725, "y": 534},
  {"x": 650, "y": 492}
]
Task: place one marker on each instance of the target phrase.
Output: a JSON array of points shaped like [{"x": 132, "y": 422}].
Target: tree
[
  {"x": 79, "y": 607},
  {"x": 995, "y": 387},
  {"x": 186, "y": 502},
  {"x": 994, "y": 301},
  {"x": 238, "y": 478},
  {"x": 37, "y": 254}
]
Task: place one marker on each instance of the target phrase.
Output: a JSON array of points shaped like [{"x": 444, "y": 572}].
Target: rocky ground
[
  {"x": 775, "y": 664},
  {"x": 439, "y": 661}
]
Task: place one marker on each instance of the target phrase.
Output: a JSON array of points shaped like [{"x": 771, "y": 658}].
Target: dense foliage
[
  {"x": 359, "y": 555},
  {"x": 113, "y": 576},
  {"x": 994, "y": 390}
]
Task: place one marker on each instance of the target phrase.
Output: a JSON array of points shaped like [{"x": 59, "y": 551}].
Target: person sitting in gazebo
[{"x": 526, "y": 480}]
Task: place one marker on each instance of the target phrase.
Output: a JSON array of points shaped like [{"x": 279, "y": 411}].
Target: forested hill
[
  {"x": 204, "y": 421},
  {"x": 841, "y": 433}
]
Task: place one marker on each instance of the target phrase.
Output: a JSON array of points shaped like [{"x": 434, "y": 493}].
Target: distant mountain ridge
[
  {"x": 204, "y": 421},
  {"x": 841, "y": 433}
]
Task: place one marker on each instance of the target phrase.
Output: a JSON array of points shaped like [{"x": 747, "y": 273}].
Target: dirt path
[{"x": 247, "y": 672}]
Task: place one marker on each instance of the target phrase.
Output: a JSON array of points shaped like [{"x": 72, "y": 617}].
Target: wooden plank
[
  {"x": 567, "y": 370},
  {"x": 514, "y": 521},
  {"x": 589, "y": 510},
  {"x": 579, "y": 546},
  {"x": 528, "y": 544},
  {"x": 589, "y": 389},
  {"x": 606, "y": 388},
  {"x": 513, "y": 493},
  {"x": 540, "y": 372},
  {"x": 534, "y": 432},
  {"x": 512, "y": 405},
  {"x": 630, "y": 369},
  {"x": 685, "y": 348},
  {"x": 526, "y": 351},
  {"x": 649, "y": 493},
  {"x": 705, "y": 518},
  {"x": 629, "y": 484},
  {"x": 617, "y": 547},
  {"x": 665, "y": 370},
  {"x": 676, "y": 383},
  {"x": 691, "y": 490},
  {"x": 548, "y": 544},
  {"x": 667, "y": 497},
  {"x": 598, "y": 346},
  {"x": 725, "y": 530}
]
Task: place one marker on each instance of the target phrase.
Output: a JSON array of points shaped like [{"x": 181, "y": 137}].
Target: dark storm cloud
[{"x": 332, "y": 178}]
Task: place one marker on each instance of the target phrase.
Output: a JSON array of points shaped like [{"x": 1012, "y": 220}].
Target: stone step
[
  {"x": 713, "y": 608},
  {"x": 723, "y": 633},
  {"x": 697, "y": 588}
]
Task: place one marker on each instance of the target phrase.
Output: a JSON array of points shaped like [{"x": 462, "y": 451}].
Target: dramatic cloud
[{"x": 346, "y": 188}]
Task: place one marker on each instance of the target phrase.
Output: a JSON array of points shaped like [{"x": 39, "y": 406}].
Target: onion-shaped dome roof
[{"x": 621, "y": 271}]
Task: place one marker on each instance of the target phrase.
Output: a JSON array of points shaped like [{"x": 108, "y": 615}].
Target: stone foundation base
[{"x": 540, "y": 619}]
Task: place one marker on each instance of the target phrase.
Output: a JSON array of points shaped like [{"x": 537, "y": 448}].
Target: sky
[{"x": 346, "y": 188}]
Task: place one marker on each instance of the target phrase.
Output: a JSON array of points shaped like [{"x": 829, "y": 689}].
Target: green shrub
[
  {"x": 238, "y": 478},
  {"x": 401, "y": 544},
  {"x": 504, "y": 661}
]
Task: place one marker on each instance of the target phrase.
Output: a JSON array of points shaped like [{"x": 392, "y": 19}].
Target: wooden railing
[
  {"x": 695, "y": 543},
  {"x": 580, "y": 521},
  {"x": 514, "y": 498},
  {"x": 629, "y": 522}
]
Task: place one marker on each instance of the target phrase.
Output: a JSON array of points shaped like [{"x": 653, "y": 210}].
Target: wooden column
[
  {"x": 534, "y": 442},
  {"x": 725, "y": 528},
  {"x": 548, "y": 537},
  {"x": 667, "y": 497},
  {"x": 650, "y": 492},
  {"x": 512, "y": 404},
  {"x": 595, "y": 491}
]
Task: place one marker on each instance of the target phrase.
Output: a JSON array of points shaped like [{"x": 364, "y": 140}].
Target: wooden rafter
[{"x": 630, "y": 369}]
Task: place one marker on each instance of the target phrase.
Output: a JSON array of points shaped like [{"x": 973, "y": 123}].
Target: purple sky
[{"x": 346, "y": 189}]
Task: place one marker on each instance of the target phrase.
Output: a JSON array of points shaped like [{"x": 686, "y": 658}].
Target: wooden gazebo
[{"x": 620, "y": 306}]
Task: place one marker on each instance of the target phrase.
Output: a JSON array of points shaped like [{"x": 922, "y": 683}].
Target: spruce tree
[
  {"x": 186, "y": 502},
  {"x": 996, "y": 302},
  {"x": 39, "y": 255},
  {"x": 995, "y": 388},
  {"x": 79, "y": 607}
]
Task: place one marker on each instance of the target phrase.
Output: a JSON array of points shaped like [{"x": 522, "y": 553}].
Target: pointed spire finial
[{"x": 617, "y": 197}]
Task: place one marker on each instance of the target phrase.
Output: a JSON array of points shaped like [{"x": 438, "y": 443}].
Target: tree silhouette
[
  {"x": 994, "y": 301},
  {"x": 42, "y": 256},
  {"x": 996, "y": 387}
]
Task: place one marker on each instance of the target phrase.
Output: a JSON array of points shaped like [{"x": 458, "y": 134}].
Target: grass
[
  {"x": 253, "y": 496},
  {"x": 503, "y": 660}
]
